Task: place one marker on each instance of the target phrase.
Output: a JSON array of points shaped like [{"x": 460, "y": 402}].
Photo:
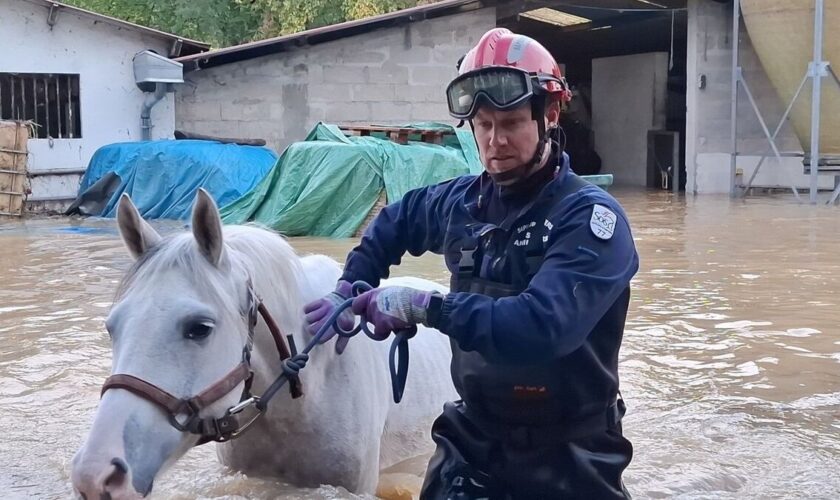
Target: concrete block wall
[
  {"x": 708, "y": 122},
  {"x": 391, "y": 75}
]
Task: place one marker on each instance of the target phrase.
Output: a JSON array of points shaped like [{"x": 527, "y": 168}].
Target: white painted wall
[
  {"x": 712, "y": 173},
  {"x": 628, "y": 99},
  {"x": 110, "y": 101}
]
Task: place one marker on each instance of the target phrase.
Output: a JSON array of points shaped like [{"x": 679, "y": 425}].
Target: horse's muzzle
[{"x": 104, "y": 481}]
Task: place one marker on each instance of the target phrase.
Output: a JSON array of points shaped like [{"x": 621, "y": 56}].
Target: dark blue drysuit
[{"x": 538, "y": 299}]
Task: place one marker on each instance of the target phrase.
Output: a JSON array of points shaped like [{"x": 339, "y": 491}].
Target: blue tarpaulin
[{"x": 162, "y": 177}]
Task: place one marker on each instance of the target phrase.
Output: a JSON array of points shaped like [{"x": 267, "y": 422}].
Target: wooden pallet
[
  {"x": 400, "y": 135},
  {"x": 13, "y": 138}
]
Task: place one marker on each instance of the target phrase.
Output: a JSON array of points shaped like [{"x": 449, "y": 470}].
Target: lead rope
[{"x": 397, "y": 357}]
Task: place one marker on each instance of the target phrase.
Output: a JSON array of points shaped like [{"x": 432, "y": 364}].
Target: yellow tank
[{"x": 782, "y": 32}]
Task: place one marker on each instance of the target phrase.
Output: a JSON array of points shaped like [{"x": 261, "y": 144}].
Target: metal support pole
[
  {"x": 736, "y": 17},
  {"x": 766, "y": 131},
  {"x": 836, "y": 193},
  {"x": 830, "y": 71},
  {"x": 818, "y": 73},
  {"x": 775, "y": 132}
]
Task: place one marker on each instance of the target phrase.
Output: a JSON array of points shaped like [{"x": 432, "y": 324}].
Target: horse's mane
[
  {"x": 266, "y": 257},
  {"x": 274, "y": 266}
]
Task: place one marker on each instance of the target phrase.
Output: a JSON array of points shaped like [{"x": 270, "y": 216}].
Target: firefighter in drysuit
[{"x": 541, "y": 263}]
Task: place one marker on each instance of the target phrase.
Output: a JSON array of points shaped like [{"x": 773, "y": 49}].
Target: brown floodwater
[{"x": 730, "y": 364}]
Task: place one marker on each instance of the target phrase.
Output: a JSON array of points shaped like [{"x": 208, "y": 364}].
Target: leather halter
[{"x": 233, "y": 423}]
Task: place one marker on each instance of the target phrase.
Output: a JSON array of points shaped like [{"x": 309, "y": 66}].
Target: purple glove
[
  {"x": 392, "y": 308},
  {"x": 319, "y": 311}
]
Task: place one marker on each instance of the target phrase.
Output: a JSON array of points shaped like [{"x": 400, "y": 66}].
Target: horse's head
[{"x": 181, "y": 318}]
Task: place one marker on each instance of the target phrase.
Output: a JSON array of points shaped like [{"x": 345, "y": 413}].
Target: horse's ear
[
  {"x": 136, "y": 233},
  {"x": 207, "y": 227}
]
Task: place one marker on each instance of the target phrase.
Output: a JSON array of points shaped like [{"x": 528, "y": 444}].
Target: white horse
[{"x": 180, "y": 322}]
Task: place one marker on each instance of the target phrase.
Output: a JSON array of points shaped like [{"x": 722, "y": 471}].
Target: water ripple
[{"x": 729, "y": 364}]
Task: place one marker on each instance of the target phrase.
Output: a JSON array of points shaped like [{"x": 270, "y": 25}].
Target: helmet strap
[{"x": 557, "y": 137}]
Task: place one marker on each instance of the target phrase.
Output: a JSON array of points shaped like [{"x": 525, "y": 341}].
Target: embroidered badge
[{"x": 602, "y": 222}]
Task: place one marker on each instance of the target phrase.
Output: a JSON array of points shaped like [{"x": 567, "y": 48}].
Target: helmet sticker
[{"x": 517, "y": 49}]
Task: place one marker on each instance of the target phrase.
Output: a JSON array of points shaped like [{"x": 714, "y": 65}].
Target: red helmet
[{"x": 505, "y": 69}]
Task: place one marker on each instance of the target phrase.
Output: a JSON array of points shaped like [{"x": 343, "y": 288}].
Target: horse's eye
[{"x": 198, "y": 331}]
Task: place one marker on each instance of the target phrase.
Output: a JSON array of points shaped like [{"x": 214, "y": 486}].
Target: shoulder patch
[{"x": 602, "y": 222}]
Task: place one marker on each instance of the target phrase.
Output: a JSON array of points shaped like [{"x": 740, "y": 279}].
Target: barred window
[{"x": 50, "y": 100}]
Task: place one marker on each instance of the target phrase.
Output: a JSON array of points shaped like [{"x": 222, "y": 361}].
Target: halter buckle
[{"x": 189, "y": 424}]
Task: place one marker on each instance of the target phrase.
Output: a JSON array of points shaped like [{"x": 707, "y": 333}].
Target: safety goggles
[{"x": 501, "y": 86}]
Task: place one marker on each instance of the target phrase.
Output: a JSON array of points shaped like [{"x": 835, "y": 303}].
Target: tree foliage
[{"x": 229, "y": 22}]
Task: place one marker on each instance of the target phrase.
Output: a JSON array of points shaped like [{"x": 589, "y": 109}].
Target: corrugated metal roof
[
  {"x": 187, "y": 46},
  {"x": 328, "y": 33}
]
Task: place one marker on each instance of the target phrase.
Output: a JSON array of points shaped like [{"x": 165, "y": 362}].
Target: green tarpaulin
[{"x": 327, "y": 184}]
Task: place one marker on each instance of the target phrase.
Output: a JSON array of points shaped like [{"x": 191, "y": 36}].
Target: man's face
[{"x": 506, "y": 139}]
